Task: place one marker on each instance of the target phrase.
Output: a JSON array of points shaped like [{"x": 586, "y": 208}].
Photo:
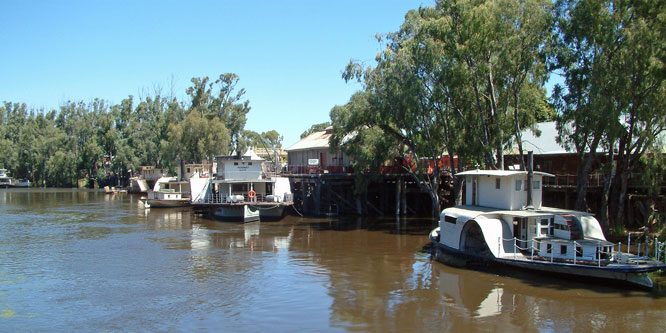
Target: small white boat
[
  {"x": 168, "y": 192},
  {"x": 22, "y": 183},
  {"x": 5, "y": 179},
  {"x": 505, "y": 223}
]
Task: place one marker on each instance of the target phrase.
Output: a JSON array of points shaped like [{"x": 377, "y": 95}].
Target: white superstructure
[
  {"x": 242, "y": 190},
  {"x": 499, "y": 223}
]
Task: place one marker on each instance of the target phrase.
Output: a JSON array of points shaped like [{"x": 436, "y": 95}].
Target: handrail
[{"x": 601, "y": 250}]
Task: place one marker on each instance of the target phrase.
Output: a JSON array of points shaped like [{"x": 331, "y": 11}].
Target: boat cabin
[
  {"x": 170, "y": 188},
  {"x": 246, "y": 167},
  {"x": 242, "y": 179},
  {"x": 502, "y": 189}
]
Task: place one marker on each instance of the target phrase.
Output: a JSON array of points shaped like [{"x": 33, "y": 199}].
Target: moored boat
[
  {"x": 505, "y": 223},
  {"x": 242, "y": 191},
  {"x": 5, "y": 179},
  {"x": 168, "y": 192}
]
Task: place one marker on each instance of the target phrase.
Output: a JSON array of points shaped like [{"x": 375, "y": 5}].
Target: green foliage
[
  {"x": 611, "y": 54},
  {"x": 462, "y": 77},
  {"x": 226, "y": 104},
  {"x": 110, "y": 142},
  {"x": 315, "y": 128}
]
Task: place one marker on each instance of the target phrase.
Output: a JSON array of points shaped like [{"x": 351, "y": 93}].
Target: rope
[{"x": 296, "y": 210}]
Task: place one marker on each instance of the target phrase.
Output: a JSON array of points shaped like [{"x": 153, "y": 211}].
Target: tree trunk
[
  {"x": 605, "y": 199},
  {"x": 624, "y": 180},
  {"x": 581, "y": 184}
]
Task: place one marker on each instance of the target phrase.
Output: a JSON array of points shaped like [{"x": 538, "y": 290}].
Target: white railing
[
  {"x": 216, "y": 198},
  {"x": 535, "y": 246},
  {"x": 659, "y": 248}
]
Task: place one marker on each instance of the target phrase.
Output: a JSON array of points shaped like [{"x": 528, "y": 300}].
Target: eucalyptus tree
[
  {"x": 612, "y": 56},
  {"x": 220, "y": 99},
  {"x": 490, "y": 67},
  {"x": 197, "y": 138},
  {"x": 12, "y": 117},
  {"x": 272, "y": 138},
  {"x": 315, "y": 128},
  {"x": 462, "y": 77}
]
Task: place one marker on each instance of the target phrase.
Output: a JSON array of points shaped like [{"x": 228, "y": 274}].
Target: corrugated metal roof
[
  {"x": 314, "y": 140},
  {"x": 500, "y": 173},
  {"x": 544, "y": 144}
]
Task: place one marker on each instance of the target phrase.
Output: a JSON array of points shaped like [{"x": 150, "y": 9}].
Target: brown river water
[{"x": 85, "y": 261}]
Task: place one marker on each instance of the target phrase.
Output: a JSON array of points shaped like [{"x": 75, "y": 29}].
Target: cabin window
[
  {"x": 579, "y": 251},
  {"x": 235, "y": 163},
  {"x": 450, "y": 219},
  {"x": 549, "y": 248},
  {"x": 249, "y": 163},
  {"x": 544, "y": 231},
  {"x": 536, "y": 185},
  {"x": 188, "y": 170},
  {"x": 563, "y": 249},
  {"x": 497, "y": 183},
  {"x": 552, "y": 223},
  {"x": 238, "y": 187},
  {"x": 519, "y": 184}
]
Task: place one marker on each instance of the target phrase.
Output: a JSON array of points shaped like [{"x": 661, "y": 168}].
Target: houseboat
[
  {"x": 148, "y": 176},
  {"x": 505, "y": 223},
  {"x": 168, "y": 192},
  {"x": 241, "y": 190},
  {"x": 5, "y": 179}
]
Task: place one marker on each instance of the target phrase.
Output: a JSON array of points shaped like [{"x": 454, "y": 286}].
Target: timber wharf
[{"x": 332, "y": 194}]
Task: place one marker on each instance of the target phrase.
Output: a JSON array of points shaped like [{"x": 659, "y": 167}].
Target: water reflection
[{"x": 93, "y": 262}]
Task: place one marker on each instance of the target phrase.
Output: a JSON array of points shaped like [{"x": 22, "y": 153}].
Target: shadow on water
[{"x": 390, "y": 225}]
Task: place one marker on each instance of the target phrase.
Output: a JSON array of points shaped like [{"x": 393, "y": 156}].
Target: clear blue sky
[{"x": 288, "y": 54}]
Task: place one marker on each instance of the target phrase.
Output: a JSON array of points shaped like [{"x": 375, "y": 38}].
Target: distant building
[
  {"x": 312, "y": 154},
  {"x": 550, "y": 156}
]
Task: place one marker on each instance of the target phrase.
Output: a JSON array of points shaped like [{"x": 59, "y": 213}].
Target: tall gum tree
[
  {"x": 460, "y": 78},
  {"x": 612, "y": 56}
]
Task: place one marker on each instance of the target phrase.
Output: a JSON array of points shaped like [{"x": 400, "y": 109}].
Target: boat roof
[
  {"x": 241, "y": 181},
  {"x": 543, "y": 211},
  {"x": 249, "y": 155},
  {"x": 500, "y": 173}
]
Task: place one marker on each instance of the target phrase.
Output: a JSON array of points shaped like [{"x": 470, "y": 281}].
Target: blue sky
[{"x": 288, "y": 54}]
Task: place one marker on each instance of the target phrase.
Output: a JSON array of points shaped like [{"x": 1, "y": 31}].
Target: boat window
[
  {"x": 497, "y": 183},
  {"x": 450, "y": 219},
  {"x": 549, "y": 248},
  {"x": 519, "y": 184},
  {"x": 563, "y": 249},
  {"x": 536, "y": 185},
  {"x": 544, "y": 231},
  {"x": 544, "y": 221},
  {"x": 235, "y": 163},
  {"x": 249, "y": 163},
  {"x": 238, "y": 187},
  {"x": 579, "y": 251}
]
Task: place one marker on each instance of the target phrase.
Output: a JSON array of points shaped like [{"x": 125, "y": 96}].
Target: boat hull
[
  {"x": 634, "y": 275},
  {"x": 242, "y": 212},
  {"x": 157, "y": 203}
]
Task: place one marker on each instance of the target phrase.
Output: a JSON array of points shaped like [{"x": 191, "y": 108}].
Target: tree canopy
[
  {"x": 108, "y": 143},
  {"x": 460, "y": 78}
]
